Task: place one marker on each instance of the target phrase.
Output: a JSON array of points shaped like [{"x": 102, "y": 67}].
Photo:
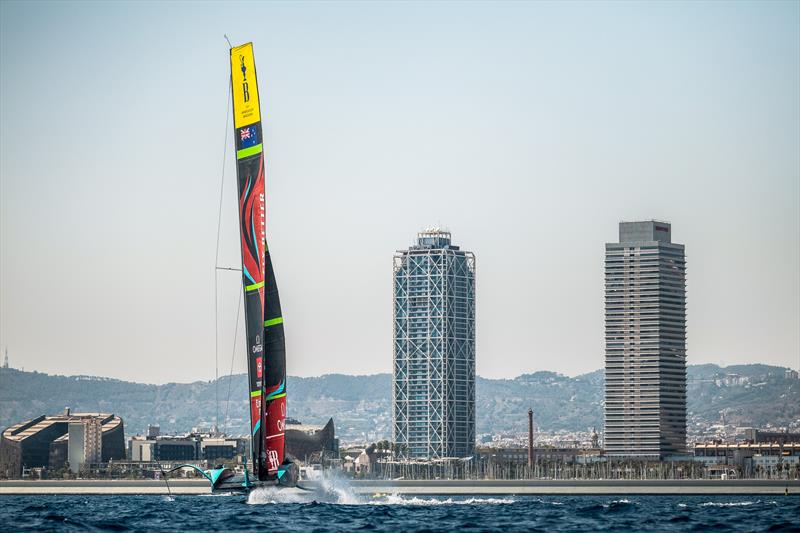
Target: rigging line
[
  {"x": 216, "y": 260},
  {"x": 228, "y": 268},
  {"x": 233, "y": 354},
  {"x": 164, "y": 477}
]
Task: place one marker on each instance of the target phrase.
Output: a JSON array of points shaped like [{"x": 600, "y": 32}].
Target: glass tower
[
  {"x": 433, "y": 398},
  {"x": 645, "y": 385}
]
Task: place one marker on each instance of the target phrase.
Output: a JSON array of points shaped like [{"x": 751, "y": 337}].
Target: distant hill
[{"x": 750, "y": 395}]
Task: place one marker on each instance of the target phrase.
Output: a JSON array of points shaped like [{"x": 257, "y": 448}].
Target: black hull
[{"x": 240, "y": 485}]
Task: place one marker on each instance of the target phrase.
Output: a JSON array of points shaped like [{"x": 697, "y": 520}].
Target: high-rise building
[
  {"x": 433, "y": 408},
  {"x": 84, "y": 443},
  {"x": 645, "y": 371}
]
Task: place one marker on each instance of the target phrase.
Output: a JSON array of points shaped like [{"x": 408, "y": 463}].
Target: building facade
[
  {"x": 50, "y": 442},
  {"x": 311, "y": 444},
  {"x": 645, "y": 338},
  {"x": 751, "y": 459},
  {"x": 761, "y": 436},
  {"x": 433, "y": 408},
  {"x": 84, "y": 443},
  {"x": 185, "y": 448}
]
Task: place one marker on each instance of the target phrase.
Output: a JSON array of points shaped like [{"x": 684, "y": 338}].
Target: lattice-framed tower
[{"x": 433, "y": 386}]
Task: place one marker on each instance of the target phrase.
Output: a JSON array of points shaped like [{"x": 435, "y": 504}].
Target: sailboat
[{"x": 266, "y": 350}]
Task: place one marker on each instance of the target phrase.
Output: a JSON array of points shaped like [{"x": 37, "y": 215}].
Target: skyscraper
[
  {"x": 645, "y": 386},
  {"x": 433, "y": 408}
]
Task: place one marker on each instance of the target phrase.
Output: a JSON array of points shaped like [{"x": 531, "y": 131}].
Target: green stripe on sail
[
  {"x": 245, "y": 152},
  {"x": 274, "y": 397},
  {"x": 254, "y": 286},
  {"x": 273, "y": 321},
  {"x": 255, "y": 394}
]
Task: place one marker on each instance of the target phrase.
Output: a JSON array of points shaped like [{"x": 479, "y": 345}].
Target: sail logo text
[
  {"x": 245, "y": 89},
  {"x": 272, "y": 455}
]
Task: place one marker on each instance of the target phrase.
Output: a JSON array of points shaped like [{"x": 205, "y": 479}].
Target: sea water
[{"x": 341, "y": 510}]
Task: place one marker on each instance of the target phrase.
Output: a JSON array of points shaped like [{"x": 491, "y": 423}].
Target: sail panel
[
  {"x": 275, "y": 371},
  {"x": 250, "y": 177},
  {"x": 264, "y": 321}
]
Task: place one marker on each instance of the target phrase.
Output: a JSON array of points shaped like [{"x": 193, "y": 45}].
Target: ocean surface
[{"x": 265, "y": 511}]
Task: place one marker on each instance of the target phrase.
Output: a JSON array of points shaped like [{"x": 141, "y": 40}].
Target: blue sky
[{"x": 528, "y": 129}]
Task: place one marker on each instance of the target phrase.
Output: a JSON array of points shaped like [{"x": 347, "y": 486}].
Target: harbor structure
[
  {"x": 645, "y": 340},
  {"x": 433, "y": 389}
]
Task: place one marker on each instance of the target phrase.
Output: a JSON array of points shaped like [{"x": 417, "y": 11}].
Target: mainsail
[{"x": 263, "y": 320}]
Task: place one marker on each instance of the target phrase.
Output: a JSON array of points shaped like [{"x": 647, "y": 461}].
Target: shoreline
[
  {"x": 581, "y": 487},
  {"x": 432, "y": 487}
]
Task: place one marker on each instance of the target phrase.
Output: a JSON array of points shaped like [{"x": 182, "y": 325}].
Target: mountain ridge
[{"x": 749, "y": 395}]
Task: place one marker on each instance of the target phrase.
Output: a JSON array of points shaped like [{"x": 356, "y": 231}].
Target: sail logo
[
  {"x": 259, "y": 367},
  {"x": 272, "y": 456},
  {"x": 245, "y": 89}
]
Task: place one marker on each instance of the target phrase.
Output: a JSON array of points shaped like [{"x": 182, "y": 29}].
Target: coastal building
[
  {"x": 363, "y": 464},
  {"x": 519, "y": 456},
  {"x": 749, "y": 458},
  {"x": 305, "y": 443},
  {"x": 761, "y": 436},
  {"x": 433, "y": 390},
  {"x": 164, "y": 448},
  {"x": 51, "y": 441},
  {"x": 311, "y": 443},
  {"x": 84, "y": 443},
  {"x": 645, "y": 338},
  {"x": 192, "y": 447}
]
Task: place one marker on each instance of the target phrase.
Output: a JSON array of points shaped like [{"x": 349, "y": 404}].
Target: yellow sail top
[{"x": 245, "y": 89}]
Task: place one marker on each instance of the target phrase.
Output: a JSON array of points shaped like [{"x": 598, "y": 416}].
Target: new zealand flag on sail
[{"x": 248, "y": 136}]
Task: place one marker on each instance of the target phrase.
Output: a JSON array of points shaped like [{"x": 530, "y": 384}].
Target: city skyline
[{"x": 530, "y": 130}]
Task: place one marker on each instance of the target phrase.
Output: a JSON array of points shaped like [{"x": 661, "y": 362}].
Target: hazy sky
[{"x": 527, "y": 129}]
